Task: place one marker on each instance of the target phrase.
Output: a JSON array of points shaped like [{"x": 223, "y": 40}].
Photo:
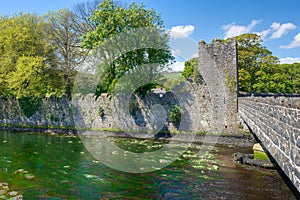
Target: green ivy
[
  {"x": 29, "y": 105},
  {"x": 101, "y": 112},
  {"x": 175, "y": 114},
  {"x": 54, "y": 118}
]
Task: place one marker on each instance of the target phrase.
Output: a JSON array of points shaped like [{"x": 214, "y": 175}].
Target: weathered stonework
[
  {"x": 218, "y": 66},
  {"x": 276, "y": 122},
  {"x": 203, "y": 104}
]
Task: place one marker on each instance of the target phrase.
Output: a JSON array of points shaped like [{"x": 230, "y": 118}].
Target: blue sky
[{"x": 277, "y": 21}]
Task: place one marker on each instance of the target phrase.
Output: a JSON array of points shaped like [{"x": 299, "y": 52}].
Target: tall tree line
[{"x": 40, "y": 55}]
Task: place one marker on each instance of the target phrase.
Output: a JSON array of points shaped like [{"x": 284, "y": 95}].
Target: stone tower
[{"x": 218, "y": 66}]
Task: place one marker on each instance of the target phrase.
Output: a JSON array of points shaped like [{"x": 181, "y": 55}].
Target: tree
[
  {"x": 26, "y": 57},
  {"x": 251, "y": 56},
  {"x": 32, "y": 78},
  {"x": 191, "y": 70},
  {"x": 83, "y": 12},
  {"x": 65, "y": 35},
  {"x": 283, "y": 78},
  {"x": 121, "y": 24}
]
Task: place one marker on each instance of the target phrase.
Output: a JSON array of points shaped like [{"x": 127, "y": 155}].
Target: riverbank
[{"x": 243, "y": 139}]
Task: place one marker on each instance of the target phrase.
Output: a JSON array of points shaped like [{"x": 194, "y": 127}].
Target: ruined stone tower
[{"x": 218, "y": 66}]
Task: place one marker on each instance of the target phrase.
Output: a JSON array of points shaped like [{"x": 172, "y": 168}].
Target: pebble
[
  {"x": 13, "y": 193},
  {"x": 29, "y": 176},
  {"x": 5, "y": 184},
  {"x": 6, "y": 194}
]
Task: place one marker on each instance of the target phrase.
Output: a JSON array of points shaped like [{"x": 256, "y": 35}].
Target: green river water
[{"x": 61, "y": 168}]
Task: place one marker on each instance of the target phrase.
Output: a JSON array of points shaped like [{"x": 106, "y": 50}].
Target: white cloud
[
  {"x": 282, "y": 29},
  {"x": 294, "y": 44},
  {"x": 177, "y": 66},
  {"x": 182, "y": 31},
  {"x": 289, "y": 60},
  {"x": 264, "y": 33},
  {"x": 235, "y": 30},
  {"x": 278, "y": 30},
  {"x": 176, "y": 52}
]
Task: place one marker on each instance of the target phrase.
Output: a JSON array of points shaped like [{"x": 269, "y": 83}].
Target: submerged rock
[
  {"x": 29, "y": 176},
  {"x": 248, "y": 159},
  {"x": 13, "y": 193}
]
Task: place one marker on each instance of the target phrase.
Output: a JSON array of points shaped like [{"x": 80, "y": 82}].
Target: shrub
[
  {"x": 101, "y": 112},
  {"x": 29, "y": 105},
  {"x": 175, "y": 114}
]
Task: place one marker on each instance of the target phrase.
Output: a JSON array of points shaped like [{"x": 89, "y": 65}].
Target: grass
[
  {"x": 173, "y": 75},
  {"x": 260, "y": 155}
]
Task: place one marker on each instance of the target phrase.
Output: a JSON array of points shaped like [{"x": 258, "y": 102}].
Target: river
[{"x": 43, "y": 166}]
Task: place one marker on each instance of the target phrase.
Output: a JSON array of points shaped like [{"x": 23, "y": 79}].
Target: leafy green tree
[
  {"x": 33, "y": 78},
  {"x": 283, "y": 78},
  {"x": 113, "y": 22},
  {"x": 191, "y": 70},
  {"x": 188, "y": 69},
  {"x": 292, "y": 72},
  {"x": 26, "y": 57},
  {"x": 251, "y": 56}
]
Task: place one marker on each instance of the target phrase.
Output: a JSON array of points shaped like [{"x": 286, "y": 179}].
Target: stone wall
[
  {"x": 112, "y": 113},
  {"x": 275, "y": 121},
  {"x": 208, "y": 106},
  {"x": 52, "y": 112}
]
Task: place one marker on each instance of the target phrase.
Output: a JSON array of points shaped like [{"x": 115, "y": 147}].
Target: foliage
[
  {"x": 191, "y": 70},
  {"x": 143, "y": 90},
  {"x": 175, "y": 114},
  {"x": 113, "y": 22},
  {"x": 32, "y": 78},
  {"x": 188, "y": 69},
  {"x": 64, "y": 32},
  {"x": 170, "y": 80},
  {"x": 29, "y": 105},
  {"x": 260, "y": 71},
  {"x": 282, "y": 78},
  {"x": 133, "y": 107},
  {"x": 101, "y": 112},
  {"x": 40, "y": 56},
  {"x": 25, "y": 57},
  {"x": 251, "y": 56}
]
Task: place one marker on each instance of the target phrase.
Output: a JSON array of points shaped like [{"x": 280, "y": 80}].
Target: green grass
[
  {"x": 260, "y": 156},
  {"x": 174, "y": 75}
]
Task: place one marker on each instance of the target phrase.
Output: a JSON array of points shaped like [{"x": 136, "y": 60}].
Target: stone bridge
[{"x": 275, "y": 121}]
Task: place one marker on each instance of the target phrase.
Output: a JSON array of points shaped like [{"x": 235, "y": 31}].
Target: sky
[{"x": 277, "y": 21}]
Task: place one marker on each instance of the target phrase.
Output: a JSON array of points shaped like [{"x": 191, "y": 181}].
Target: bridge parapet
[{"x": 275, "y": 120}]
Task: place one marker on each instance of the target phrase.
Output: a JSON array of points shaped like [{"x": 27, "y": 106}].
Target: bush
[
  {"x": 29, "y": 105},
  {"x": 101, "y": 112},
  {"x": 175, "y": 114}
]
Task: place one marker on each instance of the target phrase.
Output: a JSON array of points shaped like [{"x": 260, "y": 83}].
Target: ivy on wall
[{"x": 29, "y": 105}]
